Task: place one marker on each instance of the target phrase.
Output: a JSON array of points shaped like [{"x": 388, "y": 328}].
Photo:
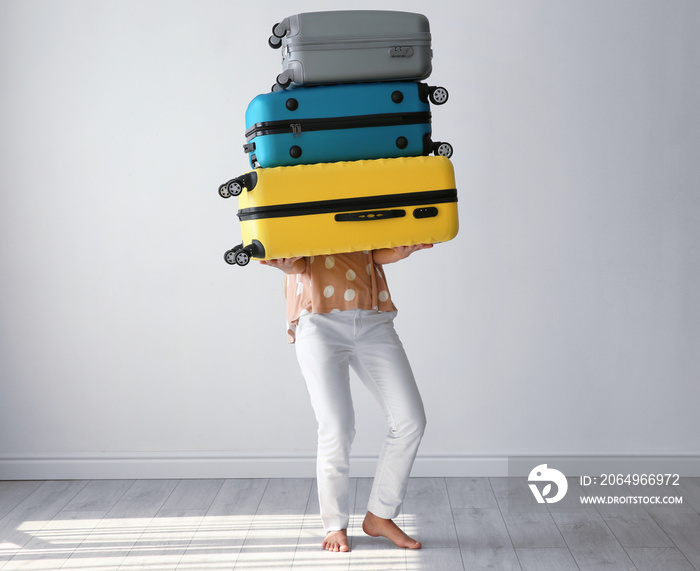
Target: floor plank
[
  {"x": 592, "y": 544},
  {"x": 98, "y": 495},
  {"x": 428, "y": 514},
  {"x": 191, "y": 496},
  {"x": 483, "y": 539},
  {"x": 434, "y": 559},
  {"x": 634, "y": 527},
  {"x": 117, "y": 535},
  {"x": 274, "y": 532},
  {"x": 528, "y": 529},
  {"x": 470, "y": 493},
  {"x": 167, "y": 536},
  {"x": 218, "y": 540},
  {"x": 546, "y": 559},
  {"x": 66, "y": 530},
  {"x": 683, "y": 528},
  {"x": 689, "y": 489},
  {"x": 13, "y": 492},
  {"x": 32, "y": 514},
  {"x": 656, "y": 558}
]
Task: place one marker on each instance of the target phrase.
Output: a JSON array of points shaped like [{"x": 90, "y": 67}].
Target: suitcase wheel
[
  {"x": 238, "y": 255},
  {"x": 443, "y": 150},
  {"x": 242, "y": 257},
  {"x": 230, "y": 255},
  {"x": 284, "y": 80},
  {"x": 235, "y": 187},
  {"x": 223, "y": 191},
  {"x": 278, "y": 33},
  {"x": 275, "y": 40},
  {"x": 438, "y": 95},
  {"x": 231, "y": 188}
]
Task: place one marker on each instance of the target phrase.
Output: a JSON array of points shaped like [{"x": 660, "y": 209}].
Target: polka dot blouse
[{"x": 335, "y": 283}]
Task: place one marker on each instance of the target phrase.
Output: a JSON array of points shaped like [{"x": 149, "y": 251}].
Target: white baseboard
[{"x": 224, "y": 465}]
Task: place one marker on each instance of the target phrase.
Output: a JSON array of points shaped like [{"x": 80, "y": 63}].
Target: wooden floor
[{"x": 464, "y": 523}]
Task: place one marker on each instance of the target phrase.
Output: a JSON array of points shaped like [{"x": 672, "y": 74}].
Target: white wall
[{"x": 564, "y": 319}]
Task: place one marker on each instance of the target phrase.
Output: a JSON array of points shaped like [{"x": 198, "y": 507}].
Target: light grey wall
[{"x": 564, "y": 319}]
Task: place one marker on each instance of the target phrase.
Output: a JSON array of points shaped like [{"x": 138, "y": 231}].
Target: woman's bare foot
[
  {"x": 377, "y": 526},
  {"x": 336, "y": 541}
]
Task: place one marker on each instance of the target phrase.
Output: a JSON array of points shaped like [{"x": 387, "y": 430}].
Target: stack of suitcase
[{"x": 340, "y": 148}]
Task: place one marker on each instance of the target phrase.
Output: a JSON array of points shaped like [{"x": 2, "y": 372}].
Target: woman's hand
[
  {"x": 287, "y": 265},
  {"x": 390, "y": 255}
]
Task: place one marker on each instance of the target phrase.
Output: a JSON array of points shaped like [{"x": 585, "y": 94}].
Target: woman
[{"x": 340, "y": 315}]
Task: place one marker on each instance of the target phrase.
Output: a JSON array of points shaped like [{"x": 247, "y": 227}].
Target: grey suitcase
[{"x": 348, "y": 46}]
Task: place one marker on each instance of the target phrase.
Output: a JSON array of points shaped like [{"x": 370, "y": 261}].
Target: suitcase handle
[{"x": 372, "y": 215}]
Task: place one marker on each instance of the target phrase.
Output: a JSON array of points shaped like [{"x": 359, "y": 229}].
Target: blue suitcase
[{"x": 330, "y": 123}]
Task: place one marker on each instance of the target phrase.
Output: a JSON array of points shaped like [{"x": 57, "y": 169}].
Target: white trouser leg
[
  {"x": 323, "y": 357},
  {"x": 327, "y": 344},
  {"x": 381, "y": 363}
]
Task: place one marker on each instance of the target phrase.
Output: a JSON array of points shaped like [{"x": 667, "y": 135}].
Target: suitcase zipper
[
  {"x": 348, "y": 204},
  {"x": 355, "y": 43},
  {"x": 330, "y": 123}
]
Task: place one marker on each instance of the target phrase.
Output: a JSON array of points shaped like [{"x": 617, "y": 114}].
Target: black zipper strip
[
  {"x": 348, "y": 204},
  {"x": 296, "y": 126}
]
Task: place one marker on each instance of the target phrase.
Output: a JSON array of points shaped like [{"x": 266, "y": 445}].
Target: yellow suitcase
[{"x": 327, "y": 208}]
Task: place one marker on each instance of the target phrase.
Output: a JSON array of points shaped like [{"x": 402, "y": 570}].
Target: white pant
[{"x": 327, "y": 344}]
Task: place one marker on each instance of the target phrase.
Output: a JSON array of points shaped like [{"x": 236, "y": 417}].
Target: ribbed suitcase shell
[
  {"x": 338, "y": 122},
  {"x": 348, "y": 206},
  {"x": 348, "y": 46}
]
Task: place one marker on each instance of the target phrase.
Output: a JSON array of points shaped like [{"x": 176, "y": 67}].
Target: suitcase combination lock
[
  {"x": 401, "y": 51},
  {"x": 427, "y": 212}
]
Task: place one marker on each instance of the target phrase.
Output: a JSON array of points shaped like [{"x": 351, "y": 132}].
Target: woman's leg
[
  {"x": 381, "y": 363},
  {"x": 323, "y": 357}
]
